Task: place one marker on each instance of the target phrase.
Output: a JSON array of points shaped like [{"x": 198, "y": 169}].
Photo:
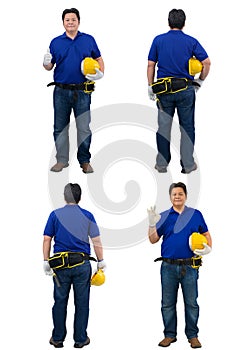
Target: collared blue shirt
[
  {"x": 67, "y": 55},
  {"x": 71, "y": 227},
  {"x": 175, "y": 230},
  {"x": 172, "y": 50}
]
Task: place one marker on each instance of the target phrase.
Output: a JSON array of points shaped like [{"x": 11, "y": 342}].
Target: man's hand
[
  {"x": 153, "y": 217},
  {"x": 47, "y": 58},
  {"x": 101, "y": 265},
  {"x": 204, "y": 251},
  {"x": 98, "y": 75},
  {"x": 47, "y": 269},
  {"x": 151, "y": 95},
  {"x": 198, "y": 83}
]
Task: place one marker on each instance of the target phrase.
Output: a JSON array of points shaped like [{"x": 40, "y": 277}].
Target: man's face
[
  {"x": 178, "y": 197},
  {"x": 71, "y": 22}
]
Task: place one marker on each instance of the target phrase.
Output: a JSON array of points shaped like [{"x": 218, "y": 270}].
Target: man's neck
[
  {"x": 179, "y": 209},
  {"x": 72, "y": 35}
]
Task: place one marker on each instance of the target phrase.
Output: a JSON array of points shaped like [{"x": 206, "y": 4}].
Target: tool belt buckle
[
  {"x": 89, "y": 86},
  {"x": 196, "y": 262}
]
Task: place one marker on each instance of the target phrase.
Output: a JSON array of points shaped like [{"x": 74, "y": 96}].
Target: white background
[{"x": 125, "y": 312}]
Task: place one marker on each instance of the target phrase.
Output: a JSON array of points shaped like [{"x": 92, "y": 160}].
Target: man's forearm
[
  {"x": 46, "y": 249},
  {"x": 98, "y": 247},
  {"x": 151, "y": 72},
  {"x": 206, "y": 68}
]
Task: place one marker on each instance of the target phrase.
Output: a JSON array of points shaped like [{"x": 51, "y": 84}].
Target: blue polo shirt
[
  {"x": 67, "y": 55},
  {"x": 71, "y": 227},
  {"x": 175, "y": 230},
  {"x": 172, "y": 50}
]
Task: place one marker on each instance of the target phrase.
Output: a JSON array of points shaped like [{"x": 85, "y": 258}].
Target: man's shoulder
[
  {"x": 58, "y": 37},
  {"x": 87, "y": 213},
  {"x": 85, "y": 36},
  {"x": 189, "y": 37},
  {"x": 161, "y": 36},
  {"x": 165, "y": 213},
  {"x": 192, "y": 211}
]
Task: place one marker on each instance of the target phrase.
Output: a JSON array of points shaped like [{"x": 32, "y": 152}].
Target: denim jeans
[
  {"x": 184, "y": 103},
  {"x": 79, "y": 278},
  {"x": 64, "y": 102},
  {"x": 171, "y": 277}
]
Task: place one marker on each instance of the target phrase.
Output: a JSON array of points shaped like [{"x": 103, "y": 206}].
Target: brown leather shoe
[
  {"x": 87, "y": 168},
  {"x": 194, "y": 343},
  {"x": 167, "y": 341},
  {"x": 57, "y": 344},
  {"x": 189, "y": 170},
  {"x": 59, "y": 167}
]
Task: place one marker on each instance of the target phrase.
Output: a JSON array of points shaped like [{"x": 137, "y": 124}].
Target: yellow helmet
[
  {"x": 196, "y": 241},
  {"x": 194, "y": 66},
  {"x": 98, "y": 278},
  {"x": 88, "y": 66}
]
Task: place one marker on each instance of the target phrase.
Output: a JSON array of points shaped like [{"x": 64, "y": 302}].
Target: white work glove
[
  {"x": 199, "y": 82},
  {"x": 98, "y": 75},
  {"x": 47, "y": 58},
  {"x": 47, "y": 269},
  {"x": 153, "y": 217},
  {"x": 204, "y": 251},
  {"x": 151, "y": 95},
  {"x": 101, "y": 265}
]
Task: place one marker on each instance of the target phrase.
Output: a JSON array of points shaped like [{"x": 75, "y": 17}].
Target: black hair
[
  {"x": 72, "y": 10},
  {"x": 178, "y": 184},
  {"x": 72, "y": 193},
  {"x": 176, "y": 19}
]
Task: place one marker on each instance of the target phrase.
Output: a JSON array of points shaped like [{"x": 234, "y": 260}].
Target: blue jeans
[
  {"x": 79, "y": 278},
  {"x": 184, "y": 103},
  {"x": 171, "y": 277},
  {"x": 64, "y": 102}
]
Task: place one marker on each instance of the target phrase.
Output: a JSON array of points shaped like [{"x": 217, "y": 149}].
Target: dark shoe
[
  {"x": 59, "y": 167},
  {"x": 161, "y": 168},
  {"x": 167, "y": 341},
  {"x": 194, "y": 343},
  {"x": 189, "y": 170},
  {"x": 81, "y": 345},
  {"x": 87, "y": 168},
  {"x": 57, "y": 344}
]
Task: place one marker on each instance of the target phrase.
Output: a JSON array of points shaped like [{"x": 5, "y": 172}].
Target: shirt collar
[
  {"x": 174, "y": 211},
  {"x": 66, "y": 36}
]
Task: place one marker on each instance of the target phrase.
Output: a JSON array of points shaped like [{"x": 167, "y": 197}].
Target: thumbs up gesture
[{"x": 47, "y": 58}]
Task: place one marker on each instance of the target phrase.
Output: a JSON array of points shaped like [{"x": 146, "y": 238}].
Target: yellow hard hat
[
  {"x": 196, "y": 241},
  {"x": 88, "y": 66},
  {"x": 194, "y": 66},
  {"x": 98, "y": 278}
]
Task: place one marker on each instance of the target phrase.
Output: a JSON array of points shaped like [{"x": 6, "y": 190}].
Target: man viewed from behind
[{"x": 175, "y": 89}]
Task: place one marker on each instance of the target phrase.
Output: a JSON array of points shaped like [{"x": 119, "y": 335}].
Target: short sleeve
[{"x": 50, "y": 226}]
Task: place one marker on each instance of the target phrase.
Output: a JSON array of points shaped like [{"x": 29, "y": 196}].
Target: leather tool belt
[
  {"x": 68, "y": 260},
  {"x": 86, "y": 86},
  {"x": 194, "y": 262},
  {"x": 171, "y": 85}
]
